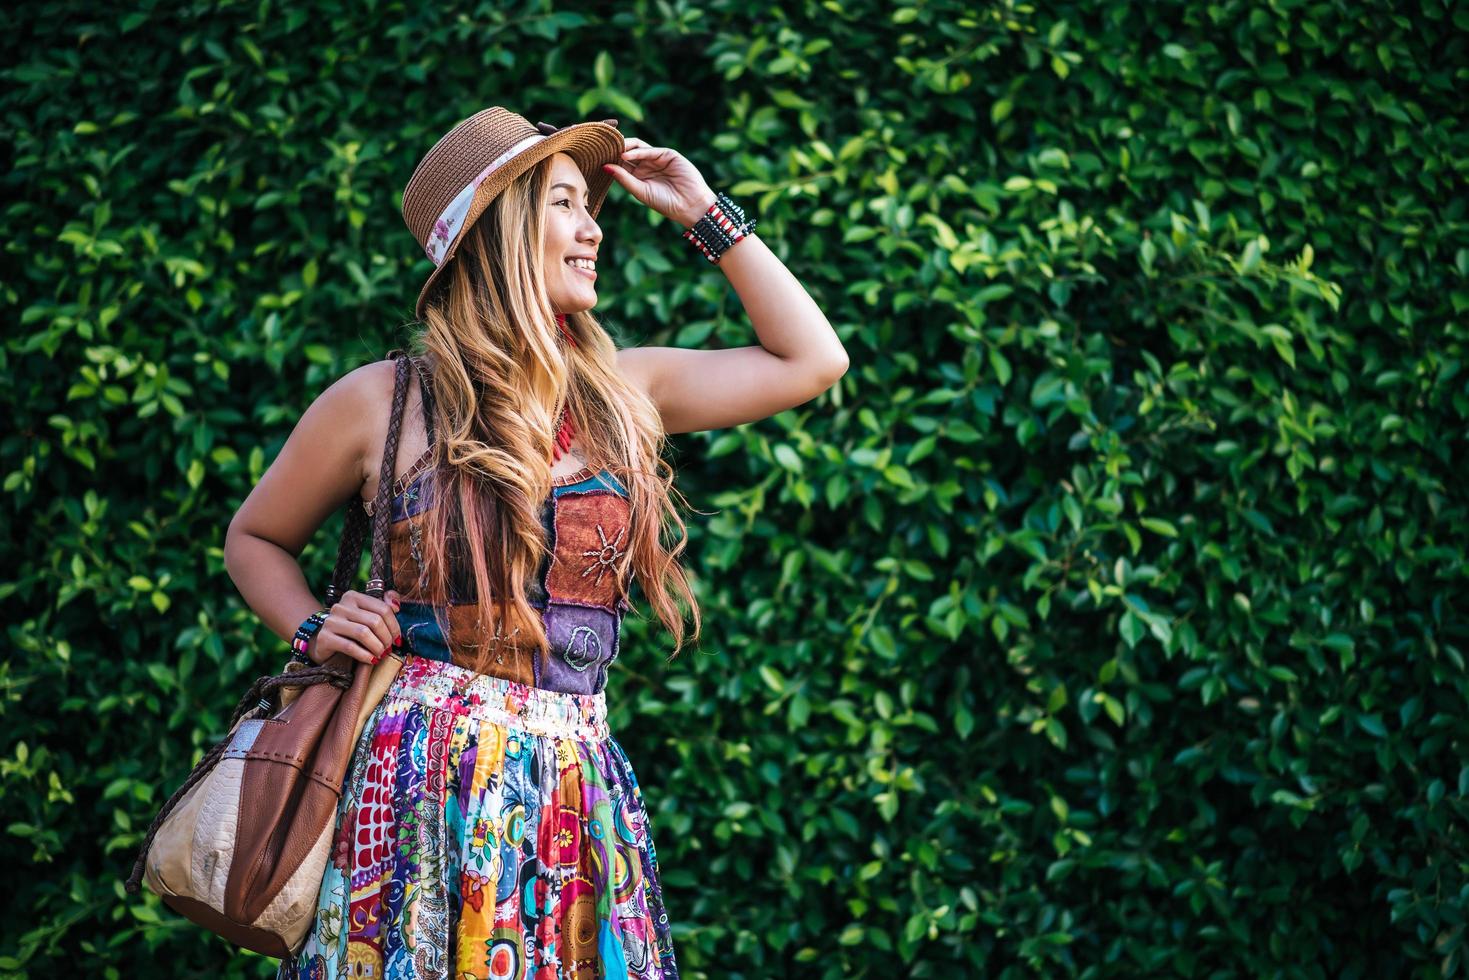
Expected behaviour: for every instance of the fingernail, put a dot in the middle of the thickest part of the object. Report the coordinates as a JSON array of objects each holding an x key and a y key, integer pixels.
[
  {"x": 397, "y": 641},
  {"x": 607, "y": 168}
]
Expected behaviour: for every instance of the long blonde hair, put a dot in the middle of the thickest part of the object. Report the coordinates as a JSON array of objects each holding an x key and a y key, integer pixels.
[{"x": 500, "y": 374}]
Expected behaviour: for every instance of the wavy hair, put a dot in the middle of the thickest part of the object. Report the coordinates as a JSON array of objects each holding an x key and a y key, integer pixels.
[{"x": 500, "y": 374}]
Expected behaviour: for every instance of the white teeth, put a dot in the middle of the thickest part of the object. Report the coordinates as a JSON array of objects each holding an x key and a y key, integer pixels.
[{"x": 582, "y": 263}]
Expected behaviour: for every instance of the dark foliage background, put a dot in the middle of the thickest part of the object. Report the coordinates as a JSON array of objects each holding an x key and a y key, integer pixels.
[{"x": 1107, "y": 619}]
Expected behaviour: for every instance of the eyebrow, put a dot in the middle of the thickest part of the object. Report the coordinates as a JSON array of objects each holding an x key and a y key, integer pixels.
[{"x": 572, "y": 187}]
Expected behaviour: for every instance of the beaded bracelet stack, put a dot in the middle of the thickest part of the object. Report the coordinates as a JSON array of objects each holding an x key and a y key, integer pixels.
[
  {"x": 301, "y": 642},
  {"x": 719, "y": 227}
]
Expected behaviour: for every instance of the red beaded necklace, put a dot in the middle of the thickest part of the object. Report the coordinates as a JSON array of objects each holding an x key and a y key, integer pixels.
[{"x": 567, "y": 430}]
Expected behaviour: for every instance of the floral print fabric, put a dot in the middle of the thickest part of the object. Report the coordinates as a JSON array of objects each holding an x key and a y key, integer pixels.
[{"x": 488, "y": 829}]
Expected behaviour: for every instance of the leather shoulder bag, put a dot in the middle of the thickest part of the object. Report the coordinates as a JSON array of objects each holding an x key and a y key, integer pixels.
[{"x": 240, "y": 848}]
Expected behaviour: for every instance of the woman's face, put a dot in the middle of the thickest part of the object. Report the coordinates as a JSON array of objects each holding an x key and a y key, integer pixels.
[{"x": 571, "y": 232}]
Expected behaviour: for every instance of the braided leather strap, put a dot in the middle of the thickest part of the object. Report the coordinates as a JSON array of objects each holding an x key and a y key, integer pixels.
[{"x": 357, "y": 525}]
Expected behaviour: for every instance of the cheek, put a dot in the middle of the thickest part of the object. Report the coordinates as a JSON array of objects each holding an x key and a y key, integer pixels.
[{"x": 558, "y": 243}]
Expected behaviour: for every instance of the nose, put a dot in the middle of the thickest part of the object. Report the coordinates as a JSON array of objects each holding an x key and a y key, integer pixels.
[{"x": 589, "y": 231}]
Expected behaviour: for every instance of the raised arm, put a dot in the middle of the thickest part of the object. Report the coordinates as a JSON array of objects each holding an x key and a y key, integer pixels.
[{"x": 798, "y": 357}]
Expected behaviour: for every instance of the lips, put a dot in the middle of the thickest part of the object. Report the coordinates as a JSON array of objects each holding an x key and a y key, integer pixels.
[{"x": 589, "y": 273}]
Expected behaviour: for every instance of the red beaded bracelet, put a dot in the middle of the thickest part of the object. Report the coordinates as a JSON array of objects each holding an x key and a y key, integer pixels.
[{"x": 720, "y": 227}]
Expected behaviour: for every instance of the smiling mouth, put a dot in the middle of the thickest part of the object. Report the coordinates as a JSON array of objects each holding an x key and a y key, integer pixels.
[{"x": 590, "y": 273}]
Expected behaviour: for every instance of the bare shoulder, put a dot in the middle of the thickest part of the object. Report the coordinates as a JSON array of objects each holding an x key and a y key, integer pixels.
[
  {"x": 372, "y": 386},
  {"x": 360, "y": 401},
  {"x": 320, "y": 466}
]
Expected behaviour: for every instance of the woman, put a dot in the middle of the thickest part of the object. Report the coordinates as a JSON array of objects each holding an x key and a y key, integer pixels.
[{"x": 490, "y": 825}]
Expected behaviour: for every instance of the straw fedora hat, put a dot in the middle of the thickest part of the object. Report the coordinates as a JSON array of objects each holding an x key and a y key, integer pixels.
[{"x": 477, "y": 159}]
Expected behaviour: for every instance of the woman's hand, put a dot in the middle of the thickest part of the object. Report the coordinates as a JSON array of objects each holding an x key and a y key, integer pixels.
[
  {"x": 663, "y": 180},
  {"x": 360, "y": 626}
]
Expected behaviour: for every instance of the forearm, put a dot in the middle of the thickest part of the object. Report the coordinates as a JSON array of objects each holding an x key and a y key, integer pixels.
[
  {"x": 271, "y": 582},
  {"x": 785, "y": 317}
]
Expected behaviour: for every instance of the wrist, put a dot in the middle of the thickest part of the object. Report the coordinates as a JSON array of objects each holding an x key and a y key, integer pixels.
[
  {"x": 691, "y": 217},
  {"x": 303, "y": 644},
  {"x": 720, "y": 227}
]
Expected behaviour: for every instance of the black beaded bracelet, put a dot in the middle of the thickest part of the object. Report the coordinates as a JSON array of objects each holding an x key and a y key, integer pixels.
[
  {"x": 301, "y": 642},
  {"x": 722, "y": 225}
]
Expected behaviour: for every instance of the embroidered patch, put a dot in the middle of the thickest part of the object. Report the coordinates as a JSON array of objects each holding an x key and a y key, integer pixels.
[
  {"x": 583, "y": 642},
  {"x": 575, "y": 589},
  {"x": 601, "y": 481},
  {"x": 509, "y": 658},
  {"x": 590, "y": 545},
  {"x": 408, "y": 575},
  {"x": 417, "y": 497}
]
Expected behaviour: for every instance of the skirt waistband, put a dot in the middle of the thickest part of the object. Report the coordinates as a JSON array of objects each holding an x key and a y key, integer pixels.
[{"x": 537, "y": 710}]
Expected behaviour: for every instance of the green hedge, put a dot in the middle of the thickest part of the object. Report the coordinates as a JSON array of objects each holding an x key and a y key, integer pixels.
[{"x": 1107, "y": 619}]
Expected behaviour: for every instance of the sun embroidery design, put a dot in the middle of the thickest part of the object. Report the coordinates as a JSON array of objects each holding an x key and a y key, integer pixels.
[
  {"x": 592, "y": 535},
  {"x": 600, "y": 561},
  {"x": 497, "y": 641}
]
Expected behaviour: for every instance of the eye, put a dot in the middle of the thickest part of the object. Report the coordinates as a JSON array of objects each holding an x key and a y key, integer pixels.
[{"x": 564, "y": 200}]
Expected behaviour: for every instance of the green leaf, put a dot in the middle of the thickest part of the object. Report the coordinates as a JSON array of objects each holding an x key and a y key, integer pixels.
[
  {"x": 1371, "y": 724},
  {"x": 786, "y": 457},
  {"x": 1159, "y": 526},
  {"x": 1057, "y": 699}
]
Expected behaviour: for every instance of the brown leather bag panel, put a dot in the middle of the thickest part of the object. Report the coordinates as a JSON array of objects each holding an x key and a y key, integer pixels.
[
  {"x": 259, "y": 940},
  {"x": 289, "y": 793}
]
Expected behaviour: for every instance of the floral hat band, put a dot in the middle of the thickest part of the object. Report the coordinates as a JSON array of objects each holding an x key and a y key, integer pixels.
[{"x": 448, "y": 223}]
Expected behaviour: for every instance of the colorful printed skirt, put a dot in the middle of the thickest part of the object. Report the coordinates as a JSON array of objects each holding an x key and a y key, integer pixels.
[{"x": 488, "y": 829}]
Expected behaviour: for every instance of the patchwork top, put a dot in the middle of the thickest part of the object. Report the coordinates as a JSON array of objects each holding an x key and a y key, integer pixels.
[{"x": 575, "y": 590}]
